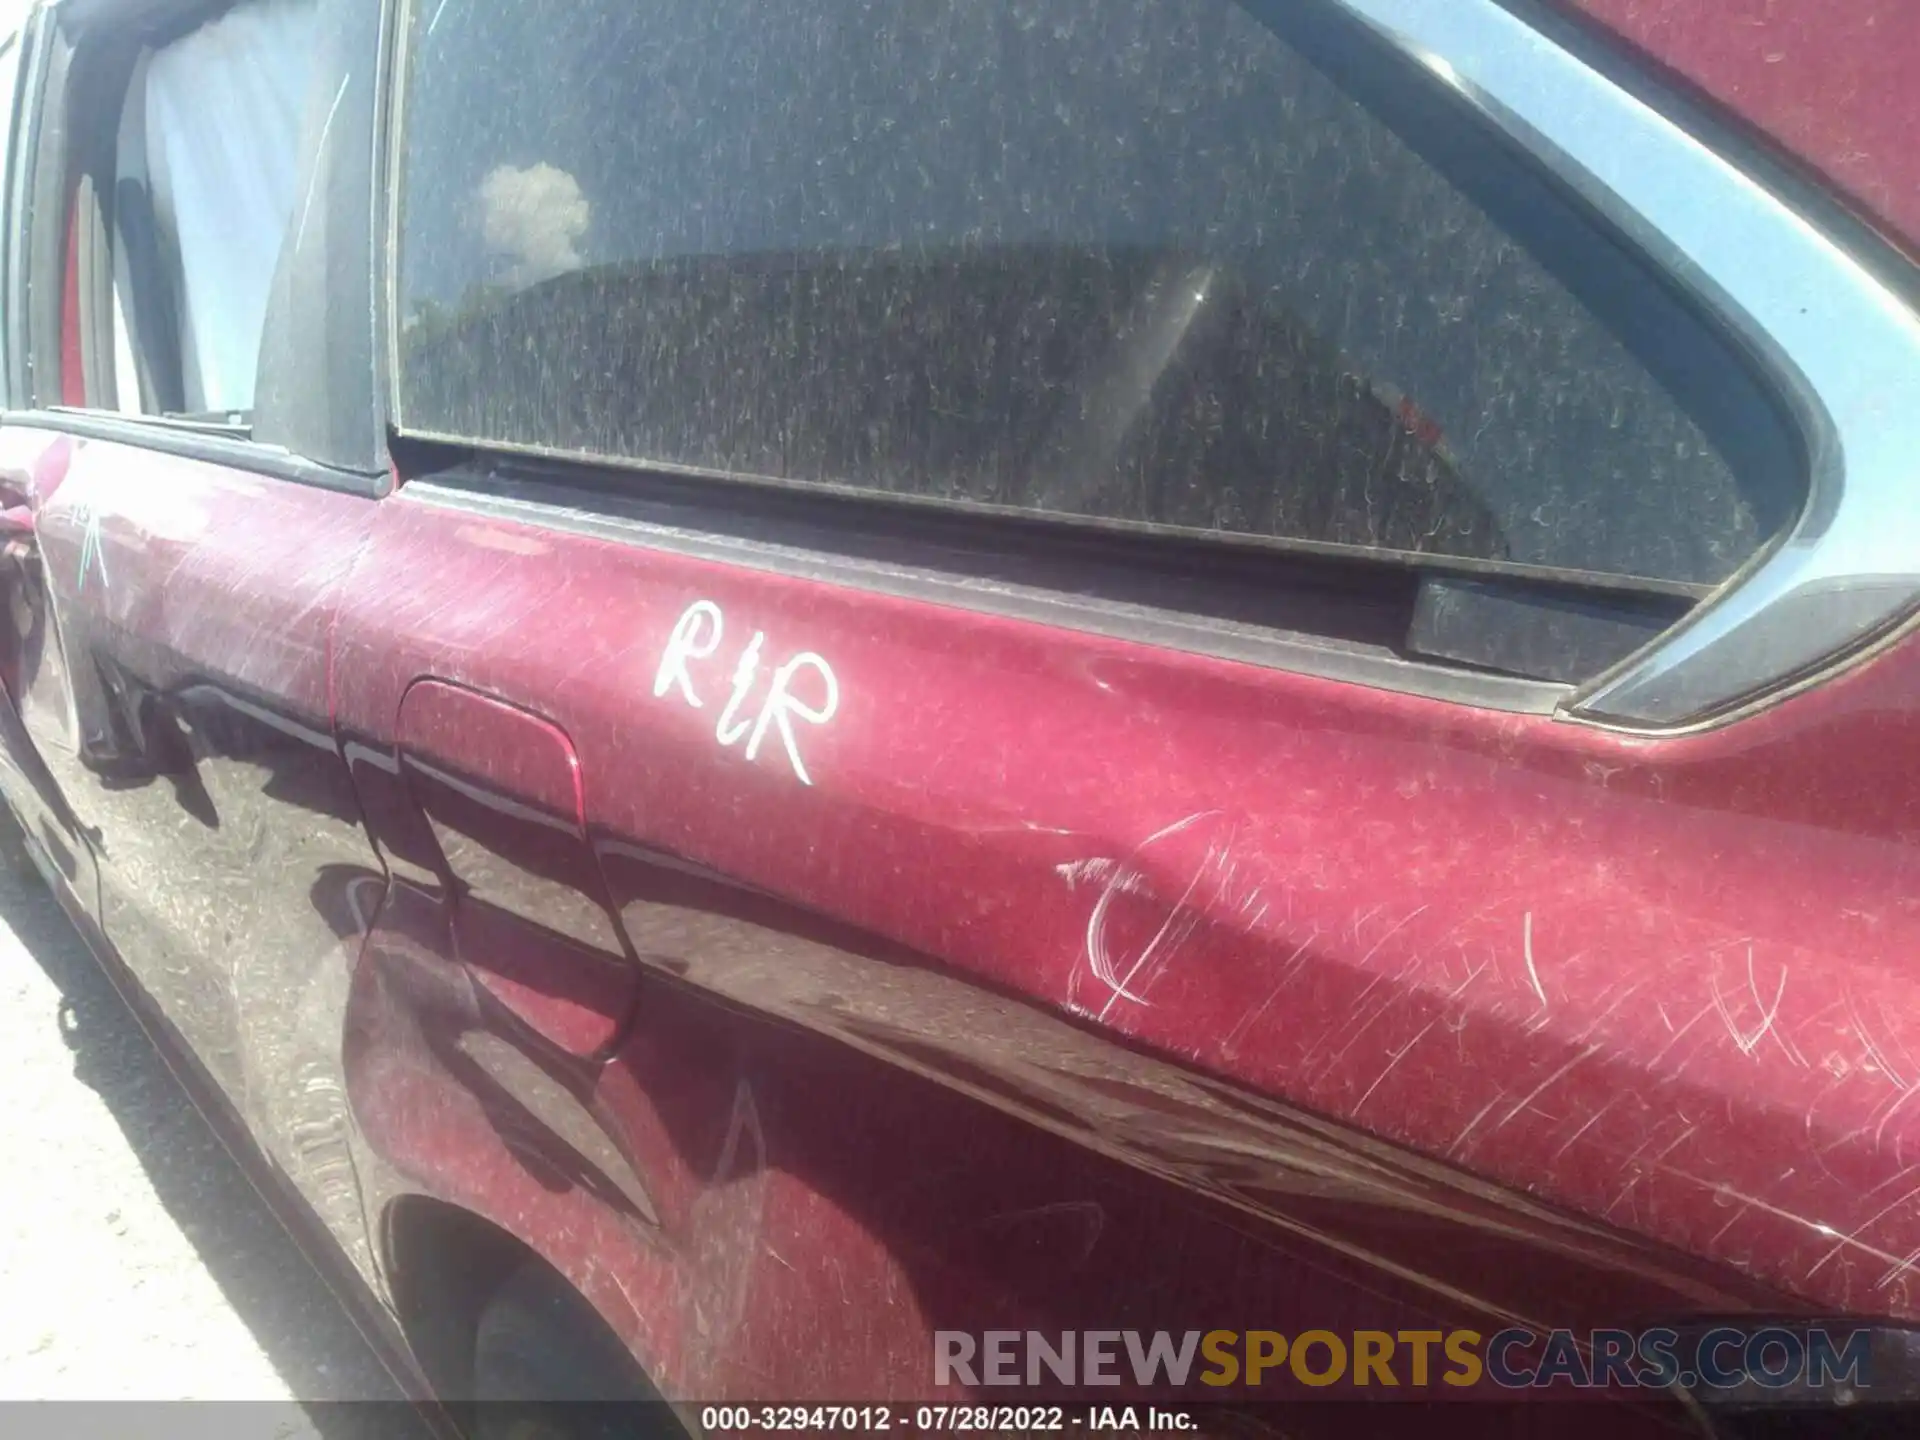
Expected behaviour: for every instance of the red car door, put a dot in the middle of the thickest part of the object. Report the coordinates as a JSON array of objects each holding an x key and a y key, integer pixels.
[
  {"x": 1009, "y": 639},
  {"x": 187, "y": 527},
  {"x": 31, "y": 667}
]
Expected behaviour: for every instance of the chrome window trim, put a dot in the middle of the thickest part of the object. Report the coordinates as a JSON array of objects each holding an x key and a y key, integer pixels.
[{"x": 1842, "y": 345}]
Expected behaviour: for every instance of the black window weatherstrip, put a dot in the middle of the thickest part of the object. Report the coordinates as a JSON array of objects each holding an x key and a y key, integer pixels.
[{"x": 214, "y": 444}]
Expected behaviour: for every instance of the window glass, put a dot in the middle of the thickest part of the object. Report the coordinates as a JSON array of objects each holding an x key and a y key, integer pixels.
[
  {"x": 205, "y": 168},
  {"x": 1177, "y": 263}
]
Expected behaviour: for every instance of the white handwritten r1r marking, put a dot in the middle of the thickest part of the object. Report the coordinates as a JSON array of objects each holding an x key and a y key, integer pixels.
[
  {"x": 684, "y": 645},
  {"x": 696, "y": 636},
  {"x": 781, "y": 703},
  {"x": 726, "y": 732}
]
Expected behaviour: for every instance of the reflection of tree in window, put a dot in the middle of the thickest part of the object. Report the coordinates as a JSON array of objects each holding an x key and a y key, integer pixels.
[
  {"x": 531, "y": 220},
  {"x": 536, "y": 218}
]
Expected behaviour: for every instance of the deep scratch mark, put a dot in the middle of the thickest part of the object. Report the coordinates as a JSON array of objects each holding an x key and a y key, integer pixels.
[
  {"x": 1867, "y": 1043},
  {"x": 1546, "y": 1084},
  {"x": 1461, "y": 1139},
  {"x": 1852, "y": 1237},
  {"x": 1397, "y": 1057},
  {"x": 1591, "y": 1121},
  {"x": 1287, "y": 970},
  {"x": 1526, "y": 946},
  {"x": 1747, "y": 1043}
]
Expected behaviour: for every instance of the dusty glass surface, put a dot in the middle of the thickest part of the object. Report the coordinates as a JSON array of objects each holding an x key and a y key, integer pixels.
[{"x": 1159, "y": 263}]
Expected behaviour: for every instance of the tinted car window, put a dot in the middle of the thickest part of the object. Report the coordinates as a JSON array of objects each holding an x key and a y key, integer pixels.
[
  {"x": 206, "y": 171},
  {"x": 1161, "y": 262}
]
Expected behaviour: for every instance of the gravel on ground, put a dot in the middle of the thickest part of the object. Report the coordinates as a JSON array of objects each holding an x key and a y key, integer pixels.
[{"x": 137, "y": 1262}]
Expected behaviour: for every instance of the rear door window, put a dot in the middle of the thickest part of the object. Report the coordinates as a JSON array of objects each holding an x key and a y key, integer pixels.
[
  {"x": 1173, "y": 265},
  {"x": 205, "y": 166},
  {"x": 213, "y": 170}
]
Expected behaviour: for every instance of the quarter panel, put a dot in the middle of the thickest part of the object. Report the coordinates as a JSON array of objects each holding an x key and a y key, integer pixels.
[
  {"x": 1510, "y": 1012},
  {"x": 1832, "y": 84}
]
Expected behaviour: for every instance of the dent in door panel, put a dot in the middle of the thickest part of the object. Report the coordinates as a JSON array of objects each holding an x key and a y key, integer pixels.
[
  {"x": 194, "y": 603},
  {"x": 33, "y": 666},
  {"x": 773, "y": 1212},
  {"x": 463, "y": 1101}
]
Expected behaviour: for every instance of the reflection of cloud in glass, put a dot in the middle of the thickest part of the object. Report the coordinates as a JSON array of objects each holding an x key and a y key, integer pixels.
[{"x": 536, "y": 216}]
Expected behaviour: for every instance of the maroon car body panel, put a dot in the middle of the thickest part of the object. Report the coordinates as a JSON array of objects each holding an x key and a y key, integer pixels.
[
  {"x": 182, "y": 708},
  {"x": 1654, "y": 983},
  {"x": 801, "y": 968},
  {"x": 1359, "y": 953},
  {"x": 1832, "y": 84}
]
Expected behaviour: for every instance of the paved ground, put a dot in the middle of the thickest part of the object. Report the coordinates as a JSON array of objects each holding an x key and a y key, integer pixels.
[{"x": 136, "y": 1261}]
